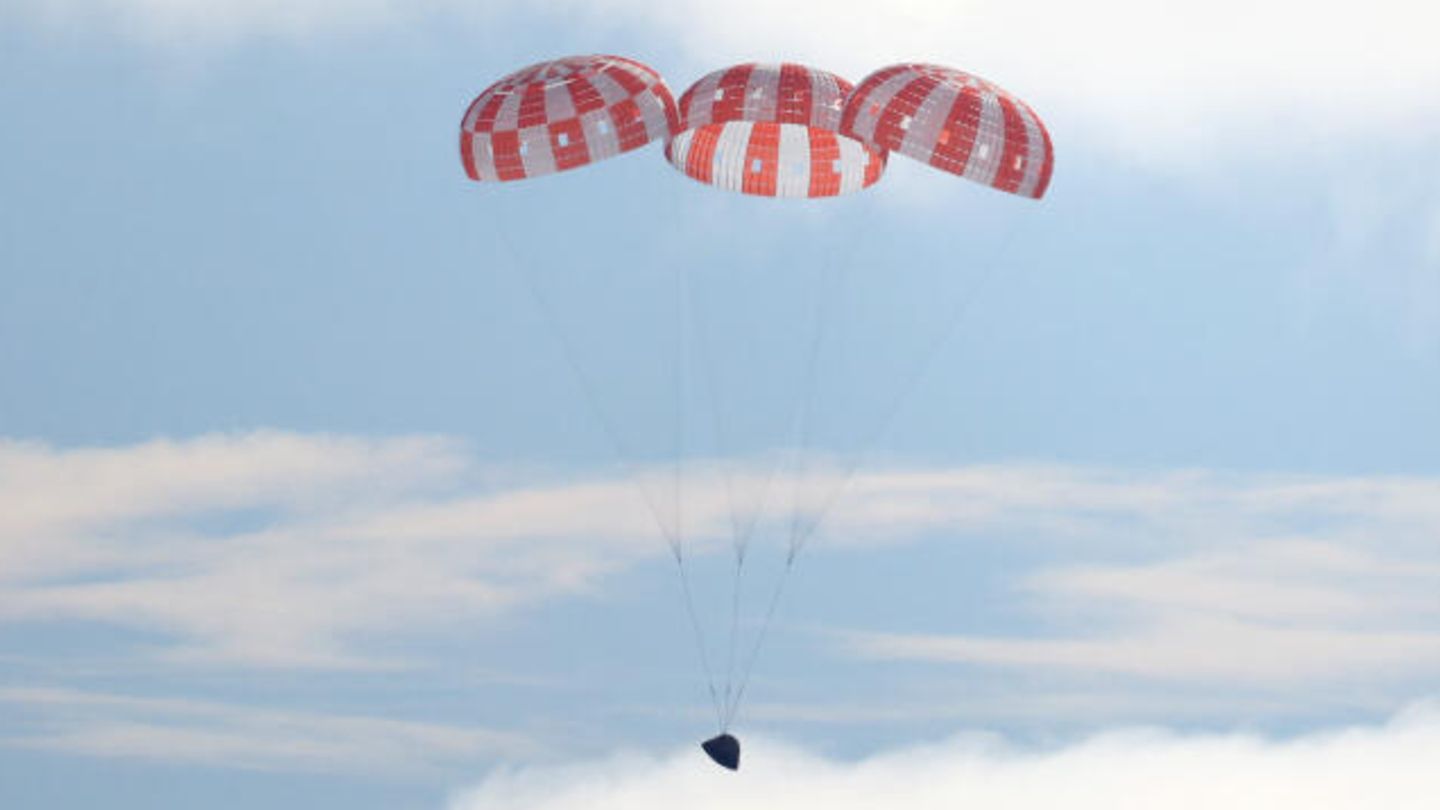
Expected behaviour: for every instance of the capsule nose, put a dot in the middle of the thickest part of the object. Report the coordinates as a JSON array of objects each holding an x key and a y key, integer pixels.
[{"x": 725, "y": 750}]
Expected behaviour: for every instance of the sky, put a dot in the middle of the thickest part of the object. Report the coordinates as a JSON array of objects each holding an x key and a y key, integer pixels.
[{"x": 330, "y": 478}]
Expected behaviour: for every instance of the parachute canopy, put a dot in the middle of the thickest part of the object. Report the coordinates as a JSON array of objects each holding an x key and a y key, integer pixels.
[
  {"x": 771, "y": 130},
  {"x": 953, "y": 121},
  {"x": 561, "y": 114}
]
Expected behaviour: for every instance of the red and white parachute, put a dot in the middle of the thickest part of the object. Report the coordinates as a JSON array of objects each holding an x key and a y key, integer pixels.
[
  {"x": 773, "y": 131},
  {"x": 557, "y": 115},
  {"x": 955, "y": 122}
]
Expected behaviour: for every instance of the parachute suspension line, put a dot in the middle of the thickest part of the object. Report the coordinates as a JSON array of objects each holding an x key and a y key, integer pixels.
[
  {"x": 734, "y": 634},
  {"x": 741, "y": 529},
  {"x": 700, "y": 641},
  {"x": 526, "y": 271},
  {"x": 801, "y": 536},
  {"x": 681, "y": 355},
  {"x": 718, "y": 424},
  {"x": 799, "y": 540},
  {"x": 830, "y": 284},
  {"x": 917, "y": 373},
  {"x": 834, "y": 268},
  {"x": 734, "y": 705},
  {"x": 671, "y": 536},
  {"x": 743, "y": 518},
  {"x": 681, "y": 343},
  {"x": 678, "y": 439}
]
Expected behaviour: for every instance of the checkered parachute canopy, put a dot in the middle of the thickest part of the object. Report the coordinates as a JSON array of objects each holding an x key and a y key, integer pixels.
[
  {"x": 771, "y": 130},
  {"x": 562, "y": 114},
  {"x": 953, "y": 121}
]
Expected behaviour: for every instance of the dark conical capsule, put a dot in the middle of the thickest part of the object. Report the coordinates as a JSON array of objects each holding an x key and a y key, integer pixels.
[{"x": 725, "y": 750}]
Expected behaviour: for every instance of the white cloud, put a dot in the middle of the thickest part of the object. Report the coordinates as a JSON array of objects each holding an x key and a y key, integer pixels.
[
  {"x": 1274, "y": 614},
  {"x": 333, "y": 536},
  {"x": 1390, "y": 766},
  {"x": 293, "y": 551},
  {"x": 1279, "y": 581},
  {"x": 48, "y": 496},
  {"x": 1158, "y": 509},
  {"x": 1204, "y": 649},
  {"x": 237, "y": 736},
  {"x": 970, "y": 703},
  {"x": 1169, "y": 83}
]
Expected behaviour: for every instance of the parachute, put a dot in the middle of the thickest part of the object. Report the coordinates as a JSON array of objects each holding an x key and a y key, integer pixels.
[
  {"x": 800, "y": 136},
  {"x": 953, "y": 121},
  {"x": 772, "y": 131},
  {"x": 563, "y": 114}
]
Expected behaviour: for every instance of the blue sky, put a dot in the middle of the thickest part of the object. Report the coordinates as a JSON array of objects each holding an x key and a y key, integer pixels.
[{"x": 315, "y": 493}]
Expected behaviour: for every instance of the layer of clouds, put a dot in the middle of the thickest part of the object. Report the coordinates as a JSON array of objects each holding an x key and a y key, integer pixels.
[
  {"x": 1389, "y": 766},
  {"x": 287, "y": 550},
  {"x": 237, "y": 736},
  {"x": 269, "y": 549},
  {"x": 49, "y": 496},
  {"x": 1162, "y": 510},
  {"x": 1168, "y": 83},
  {"x": 1257, "y": 582},
  {"x": 1154, "y": 594},
  {"x": 1172, "y": 84}
]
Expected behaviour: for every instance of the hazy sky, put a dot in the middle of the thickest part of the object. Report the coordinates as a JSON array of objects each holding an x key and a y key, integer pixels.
[{"x": 329, "y": 478}]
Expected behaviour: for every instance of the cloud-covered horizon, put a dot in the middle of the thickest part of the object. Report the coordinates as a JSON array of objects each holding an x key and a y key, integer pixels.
[{"x": 1390, "y": 765}]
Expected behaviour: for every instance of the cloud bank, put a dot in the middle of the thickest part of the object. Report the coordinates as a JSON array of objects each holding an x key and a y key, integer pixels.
[
  {"x": 269, "y": 549},
  {"x": 288, "y": 550},
  {"x": 1389, "y": 766}
]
